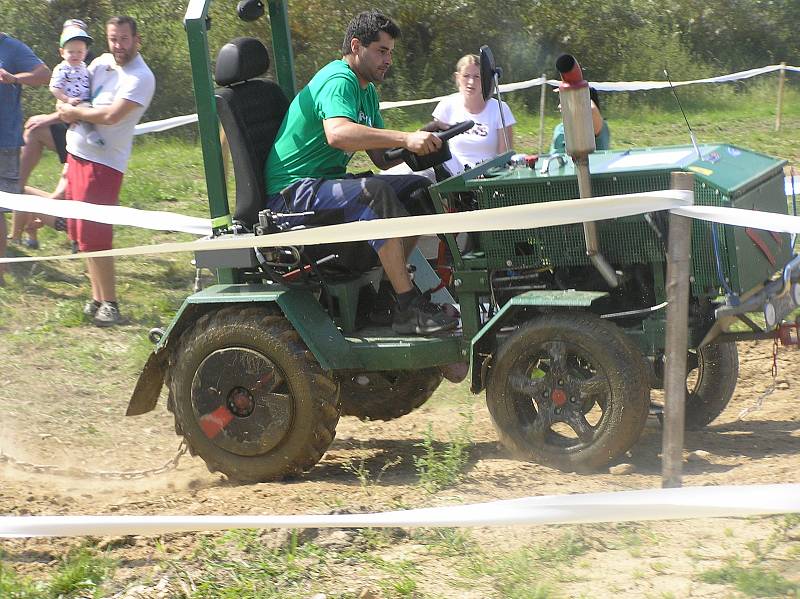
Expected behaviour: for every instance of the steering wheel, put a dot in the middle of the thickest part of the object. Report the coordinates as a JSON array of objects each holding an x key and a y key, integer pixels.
[{"x": 456, "y": 129}]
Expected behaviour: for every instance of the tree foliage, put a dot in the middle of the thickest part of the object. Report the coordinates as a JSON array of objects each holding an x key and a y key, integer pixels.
[{"x": 620, "y": 40}]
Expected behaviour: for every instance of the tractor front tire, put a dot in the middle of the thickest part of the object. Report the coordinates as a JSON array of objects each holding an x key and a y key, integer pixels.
[
  {"x": 568, "y": 390},
  {"x": 249, "y": 397},
  {"x": 387, "y": 395}
]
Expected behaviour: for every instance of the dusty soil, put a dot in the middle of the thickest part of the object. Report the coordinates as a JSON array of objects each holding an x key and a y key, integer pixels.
[{"x": 54, "y": 416}]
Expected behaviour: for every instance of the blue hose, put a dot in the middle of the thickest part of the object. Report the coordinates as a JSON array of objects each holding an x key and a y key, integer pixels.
[{"x": 733, "y": 299}]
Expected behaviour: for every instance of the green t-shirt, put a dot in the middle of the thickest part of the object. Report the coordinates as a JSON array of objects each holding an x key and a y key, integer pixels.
[{"x": 301, "y": 149}]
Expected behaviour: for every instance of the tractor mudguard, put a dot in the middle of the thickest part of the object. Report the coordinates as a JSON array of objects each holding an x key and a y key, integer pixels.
[
  {"x": 482, "y": 342},
  {"x": 148, "y": 386},
  {"x": 299, "y": 307}
]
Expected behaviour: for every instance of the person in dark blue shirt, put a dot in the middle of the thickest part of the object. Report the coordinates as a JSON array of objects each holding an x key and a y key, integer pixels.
[{"x": 18, "y": 66}]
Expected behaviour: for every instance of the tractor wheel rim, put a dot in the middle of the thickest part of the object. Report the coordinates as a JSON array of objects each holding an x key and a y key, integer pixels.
[
  {"x": 241, "y": 401},
  {"x": 562, "y": 396}
]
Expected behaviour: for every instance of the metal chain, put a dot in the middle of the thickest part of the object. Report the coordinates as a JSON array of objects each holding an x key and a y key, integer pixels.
[
  {"x": 770, "y": 390},
  {"x": 73, "y": 472}
]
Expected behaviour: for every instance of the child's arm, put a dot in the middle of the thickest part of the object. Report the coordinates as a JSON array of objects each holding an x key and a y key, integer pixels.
[{"x": 59, "y": 95}]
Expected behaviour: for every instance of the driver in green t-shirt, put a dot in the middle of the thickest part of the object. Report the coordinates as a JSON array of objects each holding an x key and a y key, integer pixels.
[{"x": 338, "y": 114}]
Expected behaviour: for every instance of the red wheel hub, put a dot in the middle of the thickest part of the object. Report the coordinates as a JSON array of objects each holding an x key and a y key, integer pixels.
[{"x": 558, "y": 397}]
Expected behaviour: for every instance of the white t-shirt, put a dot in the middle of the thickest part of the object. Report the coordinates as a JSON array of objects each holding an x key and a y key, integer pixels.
[
  {"x": 133, "y": 81},
  {"x": 72, "y": 80},
  {"x": 480, "y": 142}
]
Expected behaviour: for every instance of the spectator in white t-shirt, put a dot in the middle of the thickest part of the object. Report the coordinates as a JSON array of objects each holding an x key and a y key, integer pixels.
[
  {"x": 122, "y": 88},
  {"x": 485, "y": 139}
]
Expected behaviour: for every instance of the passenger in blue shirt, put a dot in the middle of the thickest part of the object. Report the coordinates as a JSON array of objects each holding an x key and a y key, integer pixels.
[
  {"x": 18, "y": 66},
  {"x": 602, "y": 135}
]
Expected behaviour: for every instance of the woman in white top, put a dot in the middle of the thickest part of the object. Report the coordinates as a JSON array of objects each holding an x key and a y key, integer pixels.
[{"x": 485, "y": 139}]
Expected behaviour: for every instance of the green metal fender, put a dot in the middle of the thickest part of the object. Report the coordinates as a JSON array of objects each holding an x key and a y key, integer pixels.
[
  {"x": 483, "y": 344},
  {"x": 300, "y": 308}
]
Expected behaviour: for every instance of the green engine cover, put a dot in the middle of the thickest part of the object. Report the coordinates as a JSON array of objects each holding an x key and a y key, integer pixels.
[{"x": 726, "y": 176}]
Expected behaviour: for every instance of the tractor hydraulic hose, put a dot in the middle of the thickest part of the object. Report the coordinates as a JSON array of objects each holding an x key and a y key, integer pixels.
[{"x": 733, "y": 299}]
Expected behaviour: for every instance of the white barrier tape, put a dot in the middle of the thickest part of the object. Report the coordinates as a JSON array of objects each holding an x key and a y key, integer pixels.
[
  {"x": 612, "y": 86},
  {"x": 163, "y": 125},
  {"x": 756, "y": 219},
  {"x": 606, "y": 86},
  {"x": 492, "y": 219},
  {"x": 624, "y": 506},
  {"x": 505, "y": 87},
  {"x": 112, "y": 215}
]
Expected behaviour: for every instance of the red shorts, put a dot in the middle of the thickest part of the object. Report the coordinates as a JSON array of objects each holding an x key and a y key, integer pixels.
[{"x": 93, "y": 183}]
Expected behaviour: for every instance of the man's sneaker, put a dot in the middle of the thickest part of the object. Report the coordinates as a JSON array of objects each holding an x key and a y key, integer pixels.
[
  {"x": 422, "y": 317},
  {"x": 107, "y": 315},
  {"x": 90, "y": 308}
]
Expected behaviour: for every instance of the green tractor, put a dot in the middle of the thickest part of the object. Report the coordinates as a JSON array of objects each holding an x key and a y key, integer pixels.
[{"x": 260, "y": 366}]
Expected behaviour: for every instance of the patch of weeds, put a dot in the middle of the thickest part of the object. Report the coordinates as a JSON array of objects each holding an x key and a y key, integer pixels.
[
  {"x": 405, "y": 586},
  {"x": 779, "y": 535},
  {"x": 570, "y": 545},
  {"x": 361, "y": 471},
  {"x": 237, "y": 565},
  {"x": 16, "y": 587},
  {"x": 754, "y": 581},
  {"x": 376, "y": 538},
  {"x": 441, "y": 468},
  {"x": 514, "y": 575},
  {"x": 81, "y": 574},
  {"x": 64, "y": 314},
  {"x": 449, "y": 542}
]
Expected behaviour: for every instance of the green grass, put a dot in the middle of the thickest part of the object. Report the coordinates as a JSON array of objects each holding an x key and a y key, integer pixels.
[
  {"x": 442, "y": 467},
  {"x": 237, "y": 565},
  {"x": 753, "y": 581},
  {"x": 81, "y": 574}
]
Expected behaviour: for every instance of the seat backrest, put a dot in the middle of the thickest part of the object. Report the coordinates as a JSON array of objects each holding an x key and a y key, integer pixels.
[{"x": 251, "y": 112}]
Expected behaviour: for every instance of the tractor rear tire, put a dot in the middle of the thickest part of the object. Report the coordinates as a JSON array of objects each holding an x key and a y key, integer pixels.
[
  {"x": 249, "y": 397},
  {"x": 387, "y": 395},
  {"x": 570, "y": 391},
  {"x": 707, "y": 397}
]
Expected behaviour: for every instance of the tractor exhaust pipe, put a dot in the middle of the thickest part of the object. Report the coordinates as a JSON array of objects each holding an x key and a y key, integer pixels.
[{"x": 579, "y": 137}]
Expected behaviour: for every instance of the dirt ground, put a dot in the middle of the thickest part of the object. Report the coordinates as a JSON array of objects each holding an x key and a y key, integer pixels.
[{"x": 51, "y": 416}]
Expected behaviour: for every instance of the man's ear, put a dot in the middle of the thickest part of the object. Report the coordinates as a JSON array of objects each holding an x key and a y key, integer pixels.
[{"x": 355, "y": 45}]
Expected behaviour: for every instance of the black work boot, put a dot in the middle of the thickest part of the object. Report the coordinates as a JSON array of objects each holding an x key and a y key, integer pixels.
[{"x": 422, "y": 317}]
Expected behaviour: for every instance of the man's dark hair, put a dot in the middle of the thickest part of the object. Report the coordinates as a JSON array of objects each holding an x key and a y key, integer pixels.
[
  {"x": 366, "y": 28},
  {"x": 123, "y": 20}
]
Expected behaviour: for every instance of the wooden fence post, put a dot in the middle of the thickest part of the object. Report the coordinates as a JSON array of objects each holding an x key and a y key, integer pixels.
[
  {"x": 541, "y": 113},
  {"x": 781, "y": 81},
  {"x": 678, "y": 269}
]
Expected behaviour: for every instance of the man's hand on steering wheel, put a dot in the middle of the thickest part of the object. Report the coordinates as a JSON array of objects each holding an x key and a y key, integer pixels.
[{"x": 422, "y": 142}]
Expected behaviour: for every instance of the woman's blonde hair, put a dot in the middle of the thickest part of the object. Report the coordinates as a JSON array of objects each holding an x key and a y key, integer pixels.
[{"x": 465, "y": 61}]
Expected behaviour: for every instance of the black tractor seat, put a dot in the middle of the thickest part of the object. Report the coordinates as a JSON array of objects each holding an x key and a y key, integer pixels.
[{"x": 251, "y": 111}]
